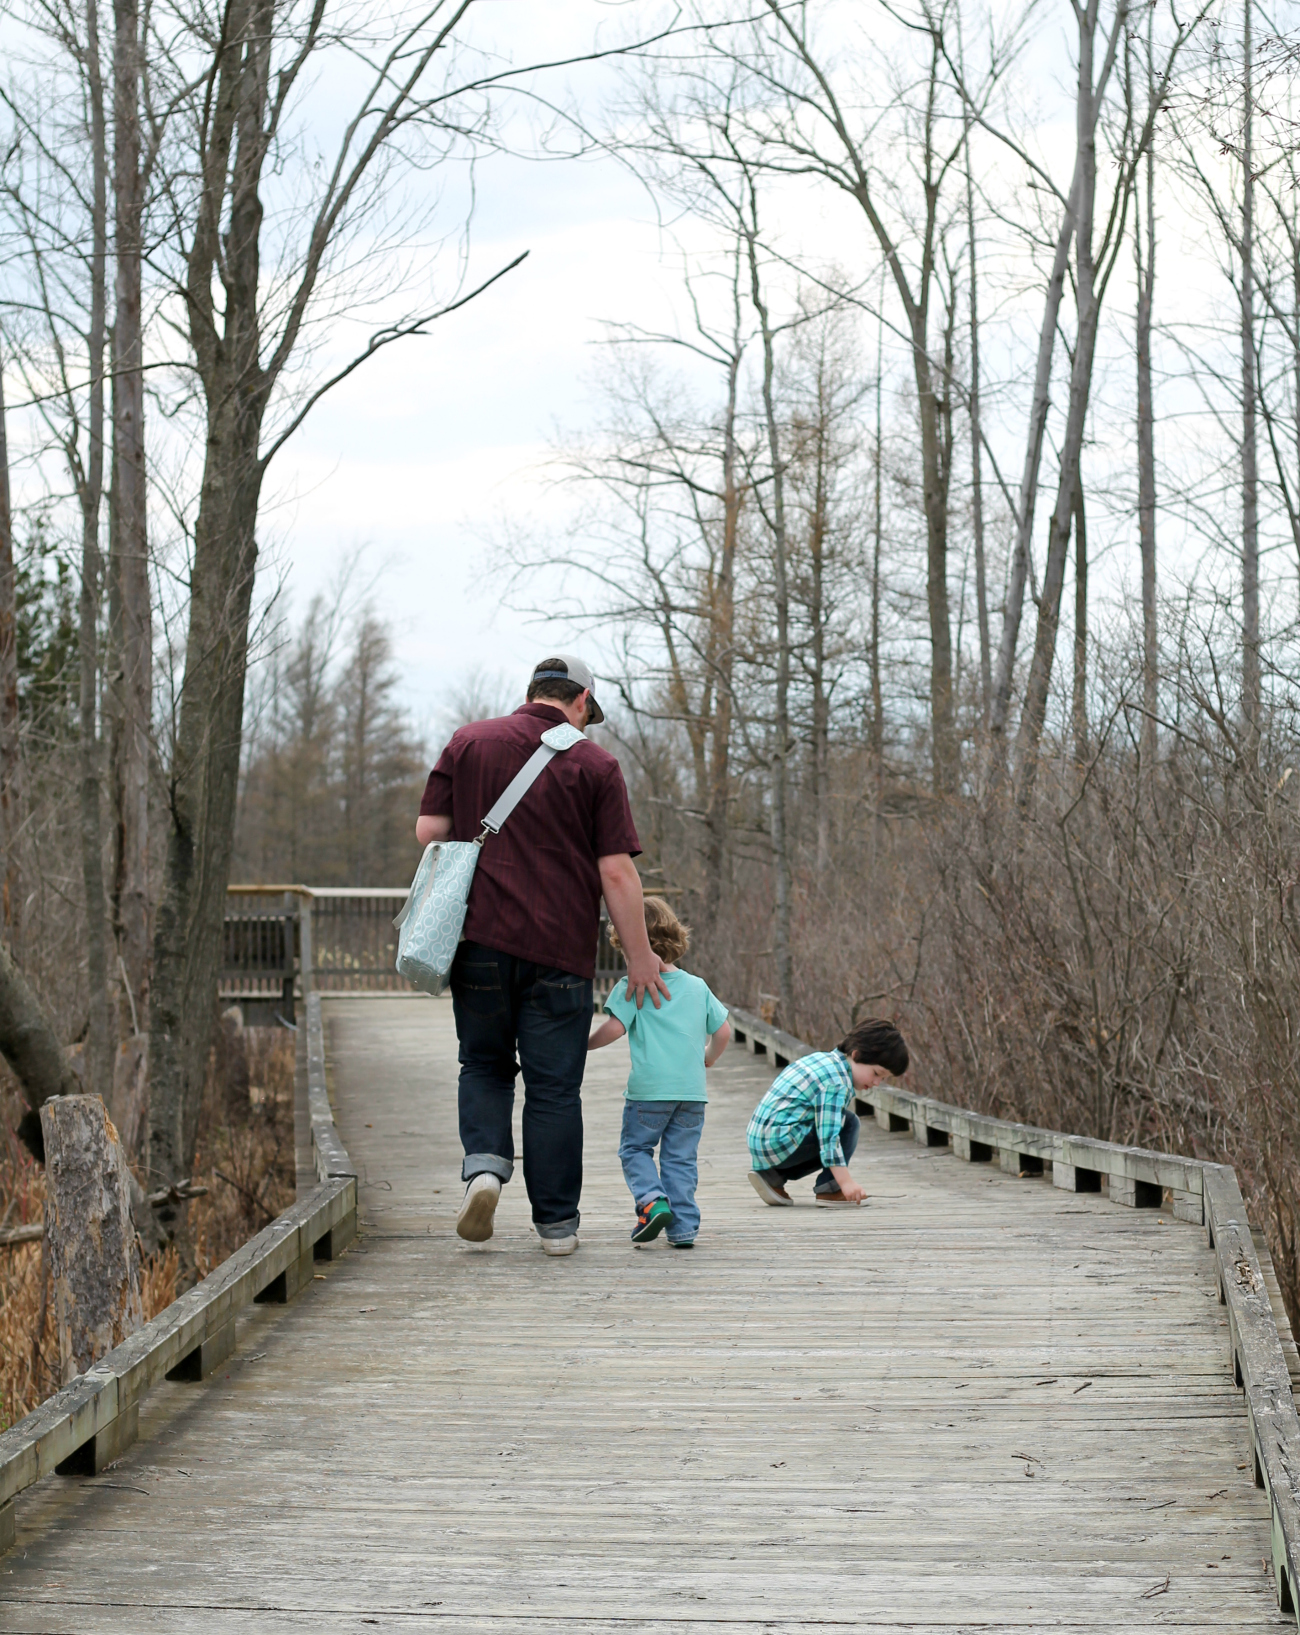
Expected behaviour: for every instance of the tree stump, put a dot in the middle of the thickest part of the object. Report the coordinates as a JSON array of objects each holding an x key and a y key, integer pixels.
[{"x": 90, "y": 1238}]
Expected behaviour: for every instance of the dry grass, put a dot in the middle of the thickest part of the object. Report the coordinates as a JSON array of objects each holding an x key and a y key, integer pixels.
[{"x": 245, "y": 1158}]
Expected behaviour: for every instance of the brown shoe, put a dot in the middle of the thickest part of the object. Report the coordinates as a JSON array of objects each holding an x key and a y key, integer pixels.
[
  {"x": 771, "y": 1192},
  {"x": 833, "y": 1200}
]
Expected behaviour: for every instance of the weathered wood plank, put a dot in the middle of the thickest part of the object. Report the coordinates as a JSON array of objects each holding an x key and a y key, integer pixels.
[{"x": 813, "y": 1420}]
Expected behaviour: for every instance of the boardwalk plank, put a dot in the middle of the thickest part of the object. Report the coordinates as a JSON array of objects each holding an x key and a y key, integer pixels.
[{"x": 977, "y": 1403}]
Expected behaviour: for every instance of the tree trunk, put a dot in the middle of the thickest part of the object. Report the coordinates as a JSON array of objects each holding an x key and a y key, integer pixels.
[
  {"x": 722, "y": 640},
  {"x": 1146, "y": 275},
  {"x": 203, "y": 778},
  {"x": 1005, "y": 673},
  {"x": 10, "y": 743},
  {"x": 133, "y": 622},
  {"x": 976, "y": 453},
  {"x": 1079, "y": 696},
  {"x": 31, "y": 1047},
  {"x": 781, "y": 950},
  {"x": 817, "y": 622},
  {"x": 93, "y": 1252},
  {"x": 1088, "y": 299},
  {"x": 201, "y": 793},
  {"x": 99, "y": 1037},
  {"x": 1250, "y": 660},
  {"x": 877, "y": 730}
]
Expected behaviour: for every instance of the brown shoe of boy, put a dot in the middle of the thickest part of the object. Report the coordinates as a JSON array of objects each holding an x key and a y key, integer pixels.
[
  {"x": 833, "y": 1200},
  {"x": 771, "y": 1192}
]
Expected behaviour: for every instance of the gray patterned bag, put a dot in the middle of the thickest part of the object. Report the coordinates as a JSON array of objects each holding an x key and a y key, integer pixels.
[{"x": 429, "y": 926}]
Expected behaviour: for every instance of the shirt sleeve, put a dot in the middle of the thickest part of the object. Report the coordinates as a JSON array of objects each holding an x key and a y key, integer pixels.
[
  {"x": 715, "y": 1012},
  {"x": 436, "y": 801},
  {"x": 619, "y": 1006},
  {"x": 831, "y": 1094},
  {"x": 613, "y": 830}
]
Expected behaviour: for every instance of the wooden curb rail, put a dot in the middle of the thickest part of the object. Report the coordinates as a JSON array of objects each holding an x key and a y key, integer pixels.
[
  {"x": 94, "y": 1419},
  {"x": 1203, "y": 1193}
]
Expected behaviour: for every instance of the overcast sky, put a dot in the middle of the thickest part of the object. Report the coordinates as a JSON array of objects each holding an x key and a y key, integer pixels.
[{"x": 420, "y": 455}]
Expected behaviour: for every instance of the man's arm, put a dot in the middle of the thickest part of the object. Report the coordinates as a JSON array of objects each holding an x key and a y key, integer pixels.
[
  {"x": 432, "y": 828},
  {"x": 621, "y": 886}
]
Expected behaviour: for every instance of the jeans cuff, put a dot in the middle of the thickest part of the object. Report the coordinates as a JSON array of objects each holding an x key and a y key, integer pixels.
[
  {"x": 486, "y": 1163},
  {"x": 557, "y": 1229},
  {"x": 649, "y": 1197}
]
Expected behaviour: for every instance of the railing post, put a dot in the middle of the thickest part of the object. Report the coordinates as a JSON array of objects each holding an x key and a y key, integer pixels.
[{"x": 305, "y": 963}]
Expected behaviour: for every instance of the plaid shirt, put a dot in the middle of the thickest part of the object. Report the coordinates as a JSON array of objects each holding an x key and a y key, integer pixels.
[{"x": 808, "y": 1094}]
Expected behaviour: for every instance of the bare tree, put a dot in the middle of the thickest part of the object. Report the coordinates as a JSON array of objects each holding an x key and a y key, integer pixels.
[
  {"x": 60, "y": 212},
  {"x": 10, "y": 752},
  {"x": 973, "y": 406},
  {"x": 129, "y": 695},
  {"x": 1144, "y": 256},
  {"x": 803, "y": 128},
  {"x": 1250, "y": 659},
  {"x": 247, "y": 322},
  {"x": 1094, "y": 262}
]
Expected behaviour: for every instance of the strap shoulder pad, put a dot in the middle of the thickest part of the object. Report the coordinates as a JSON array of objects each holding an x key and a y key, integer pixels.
[{"x": 562, "y": 737}]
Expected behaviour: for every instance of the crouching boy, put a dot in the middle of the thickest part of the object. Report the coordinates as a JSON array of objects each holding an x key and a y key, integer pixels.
[{"x": 804, "y": 1122}]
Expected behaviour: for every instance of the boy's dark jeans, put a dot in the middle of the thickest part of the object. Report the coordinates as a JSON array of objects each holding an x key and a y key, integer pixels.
[
  {"x": 503, "y": 1005},
  {"x": 807, "y": 1157}
]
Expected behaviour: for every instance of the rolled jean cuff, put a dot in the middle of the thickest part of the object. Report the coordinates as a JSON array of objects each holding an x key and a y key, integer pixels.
[
  {"x": 486, "y": 1163},
  {"x": 557, "y": 1229}
]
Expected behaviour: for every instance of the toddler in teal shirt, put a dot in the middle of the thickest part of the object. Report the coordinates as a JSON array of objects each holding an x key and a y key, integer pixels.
[{"x": 671, "y": 1047}]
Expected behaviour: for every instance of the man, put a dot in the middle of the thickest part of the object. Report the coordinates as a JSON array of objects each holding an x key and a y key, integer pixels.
[{"x": 522, "y": 978}]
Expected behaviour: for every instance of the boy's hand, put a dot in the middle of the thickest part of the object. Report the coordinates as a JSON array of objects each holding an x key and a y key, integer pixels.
[{"x": 847, "y": 1185}]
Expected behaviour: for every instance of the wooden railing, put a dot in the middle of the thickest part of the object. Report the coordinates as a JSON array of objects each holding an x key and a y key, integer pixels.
[
  {"x": 1206, "y": 1194},
  {"x": 335, "y": 939},
  {"x": 92, "y": 1420}
]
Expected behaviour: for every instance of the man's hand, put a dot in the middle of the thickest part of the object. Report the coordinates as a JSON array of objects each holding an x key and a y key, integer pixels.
[
  {"x": 621, "y": 886},
  {"x": 847, "y": 1185}
]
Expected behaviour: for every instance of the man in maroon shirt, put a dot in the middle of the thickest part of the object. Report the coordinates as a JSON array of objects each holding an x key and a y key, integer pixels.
[{"x": 522, "y": 978}]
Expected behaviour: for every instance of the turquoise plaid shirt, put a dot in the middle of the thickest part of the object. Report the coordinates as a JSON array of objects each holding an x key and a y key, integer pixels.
[{"x": 809, "y": 1093}]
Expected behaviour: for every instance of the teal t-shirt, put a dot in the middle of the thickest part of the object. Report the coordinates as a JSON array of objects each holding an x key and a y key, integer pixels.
[{"x": 668, "y": 1044}]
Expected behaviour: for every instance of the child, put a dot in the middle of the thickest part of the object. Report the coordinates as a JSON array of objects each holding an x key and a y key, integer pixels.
[
  {"x": 803, "y": 1123},
  {"x": 670, "y": 1047}
]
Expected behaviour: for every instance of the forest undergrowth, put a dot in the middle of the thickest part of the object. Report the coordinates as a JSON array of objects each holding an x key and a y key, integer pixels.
[{"x": 245, "y": 1159}]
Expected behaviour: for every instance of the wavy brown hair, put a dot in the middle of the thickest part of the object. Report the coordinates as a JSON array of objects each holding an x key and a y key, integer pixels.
[{"x": 668, "y": 936}]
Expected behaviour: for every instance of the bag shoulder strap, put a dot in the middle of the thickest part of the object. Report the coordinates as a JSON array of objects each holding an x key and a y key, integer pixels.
[{"x": 555, "y": 740}]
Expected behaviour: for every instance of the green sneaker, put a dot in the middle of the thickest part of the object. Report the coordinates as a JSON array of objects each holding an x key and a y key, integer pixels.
[{"x": 651, "y": 1219}]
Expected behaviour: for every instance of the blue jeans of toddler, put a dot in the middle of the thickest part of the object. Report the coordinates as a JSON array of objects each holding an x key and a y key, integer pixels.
[{"x": 675, "y": 1128}]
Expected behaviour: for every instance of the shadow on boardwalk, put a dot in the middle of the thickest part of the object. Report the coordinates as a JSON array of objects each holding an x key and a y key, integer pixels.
[{"x": 975, "y": 1403}]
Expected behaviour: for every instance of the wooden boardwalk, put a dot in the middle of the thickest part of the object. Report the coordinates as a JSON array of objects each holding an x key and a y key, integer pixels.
[{"x": 975, "y": 1404}]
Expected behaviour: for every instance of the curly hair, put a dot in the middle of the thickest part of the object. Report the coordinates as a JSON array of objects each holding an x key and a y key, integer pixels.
[{"x": 668, "y": 936}]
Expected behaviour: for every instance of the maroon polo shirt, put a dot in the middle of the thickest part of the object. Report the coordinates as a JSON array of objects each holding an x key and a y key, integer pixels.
[{"x": 536, "y": 891}]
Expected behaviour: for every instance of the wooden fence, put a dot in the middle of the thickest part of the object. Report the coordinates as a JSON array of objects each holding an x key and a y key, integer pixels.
[{"x": 280, "y": 940}]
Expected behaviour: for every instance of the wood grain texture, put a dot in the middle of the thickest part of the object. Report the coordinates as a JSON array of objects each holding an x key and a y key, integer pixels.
[{"x": 979, "y": 1402}]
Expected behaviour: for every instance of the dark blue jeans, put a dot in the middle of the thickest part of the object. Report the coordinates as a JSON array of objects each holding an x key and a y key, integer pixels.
[
  {"x": 505, "y": 1005},
  {"x": 807, "y": 1156}
]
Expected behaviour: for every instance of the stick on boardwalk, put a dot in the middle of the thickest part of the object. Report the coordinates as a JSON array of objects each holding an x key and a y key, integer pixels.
[{"x": 977, "y": 1403}]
